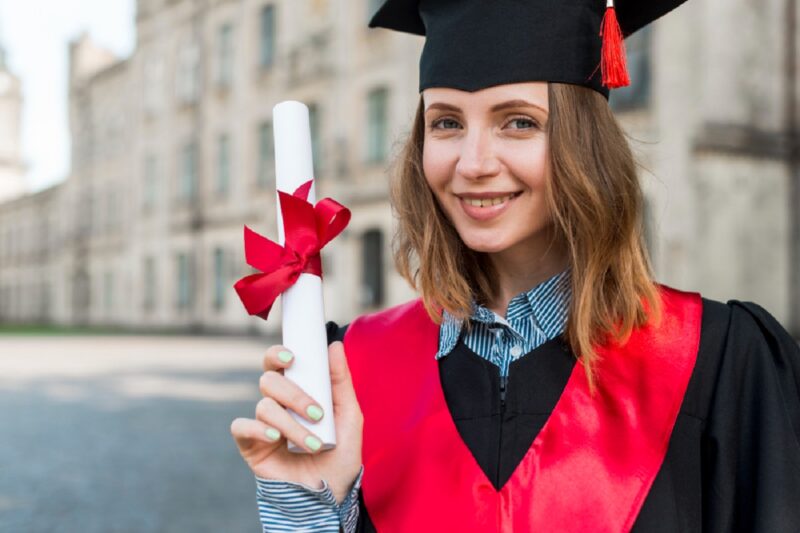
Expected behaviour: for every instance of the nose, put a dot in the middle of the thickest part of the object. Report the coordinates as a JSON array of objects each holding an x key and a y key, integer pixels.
[{"x": 477, "y": 159}]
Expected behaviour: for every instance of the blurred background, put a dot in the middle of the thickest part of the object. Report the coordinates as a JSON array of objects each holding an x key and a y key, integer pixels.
[{"x": 136, "y": 141}]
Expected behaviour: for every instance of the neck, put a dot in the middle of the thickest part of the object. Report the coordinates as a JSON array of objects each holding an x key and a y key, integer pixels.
[{"x": 524, "y": 266}]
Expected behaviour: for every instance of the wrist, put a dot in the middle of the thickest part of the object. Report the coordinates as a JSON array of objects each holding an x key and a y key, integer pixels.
[{"x": 341, "y": 492}]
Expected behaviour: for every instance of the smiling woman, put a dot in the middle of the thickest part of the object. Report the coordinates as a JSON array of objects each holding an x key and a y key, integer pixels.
[
  {"x": 543, "y": 380},
  {"x": 494, "y": 195}
]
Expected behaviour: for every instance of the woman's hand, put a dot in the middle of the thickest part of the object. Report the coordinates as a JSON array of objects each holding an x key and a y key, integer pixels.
[{"x": 265, "y": 451}]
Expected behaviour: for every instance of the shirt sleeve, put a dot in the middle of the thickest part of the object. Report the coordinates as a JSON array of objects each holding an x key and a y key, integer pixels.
[{"x": 287, "y": 506}]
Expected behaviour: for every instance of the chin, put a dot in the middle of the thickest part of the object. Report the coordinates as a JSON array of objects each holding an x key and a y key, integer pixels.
[{"x": 487, "y": 245}]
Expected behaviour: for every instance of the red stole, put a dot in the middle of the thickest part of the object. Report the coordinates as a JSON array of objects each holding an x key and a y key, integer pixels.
[{"x": 590, "y": 467}]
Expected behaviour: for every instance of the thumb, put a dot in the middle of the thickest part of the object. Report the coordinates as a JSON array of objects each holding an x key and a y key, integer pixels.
[{"x": 344, "y": 396}]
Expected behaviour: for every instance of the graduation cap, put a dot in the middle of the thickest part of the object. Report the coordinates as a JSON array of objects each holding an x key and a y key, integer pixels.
[{"x": 474, "y": 44}]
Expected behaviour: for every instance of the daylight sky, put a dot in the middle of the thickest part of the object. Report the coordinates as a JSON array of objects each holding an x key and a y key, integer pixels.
[{"x": 35, "y": 34}]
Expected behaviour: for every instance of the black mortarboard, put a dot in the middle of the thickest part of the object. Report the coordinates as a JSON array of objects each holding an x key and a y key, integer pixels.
[{"x": 474, "y": 44}]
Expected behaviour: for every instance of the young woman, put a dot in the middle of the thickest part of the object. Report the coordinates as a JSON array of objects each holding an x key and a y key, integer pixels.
[{"x": 544, "y": 381}]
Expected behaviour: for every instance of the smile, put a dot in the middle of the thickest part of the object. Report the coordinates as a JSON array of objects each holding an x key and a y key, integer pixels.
[
  {"x": 487, "y": 207},
  {"x": 486, "y": 202}
]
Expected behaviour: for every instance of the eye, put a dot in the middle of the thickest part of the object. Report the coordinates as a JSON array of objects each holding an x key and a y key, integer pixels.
[
  {"x": 522, "y": 123},
  {"x": 444, "y": 123}
]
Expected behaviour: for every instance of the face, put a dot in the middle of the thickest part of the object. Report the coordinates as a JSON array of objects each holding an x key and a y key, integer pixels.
[{"x": 485, "y": 158}]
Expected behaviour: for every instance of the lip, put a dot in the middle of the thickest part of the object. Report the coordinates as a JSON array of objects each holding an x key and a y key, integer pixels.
[
  {"x": 482, "y": 195},
  {"x": 485, "y": 213}
]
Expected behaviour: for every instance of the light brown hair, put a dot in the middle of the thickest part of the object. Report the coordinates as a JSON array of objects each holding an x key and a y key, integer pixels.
[{"x": 595, "y": 202}]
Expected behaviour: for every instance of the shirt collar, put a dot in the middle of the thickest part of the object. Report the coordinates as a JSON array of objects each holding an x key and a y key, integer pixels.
[{"x": 538, "y": 302}]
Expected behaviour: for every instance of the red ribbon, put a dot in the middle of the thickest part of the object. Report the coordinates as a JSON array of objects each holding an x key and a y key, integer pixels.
[{"x": 307, "y": 229}]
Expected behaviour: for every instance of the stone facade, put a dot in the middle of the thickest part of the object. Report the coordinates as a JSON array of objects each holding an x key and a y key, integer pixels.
[{"x": 171, "y": 156}]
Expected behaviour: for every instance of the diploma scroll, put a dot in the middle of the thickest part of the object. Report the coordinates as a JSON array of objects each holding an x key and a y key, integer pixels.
[{"x": 302, "y": 305}]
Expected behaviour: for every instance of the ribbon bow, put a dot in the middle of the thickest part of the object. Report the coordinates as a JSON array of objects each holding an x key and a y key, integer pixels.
[{"x": 307, "y": 229}]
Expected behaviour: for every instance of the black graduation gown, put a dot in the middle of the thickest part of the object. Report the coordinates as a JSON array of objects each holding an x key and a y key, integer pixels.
[{"x": 733, "y": 462}]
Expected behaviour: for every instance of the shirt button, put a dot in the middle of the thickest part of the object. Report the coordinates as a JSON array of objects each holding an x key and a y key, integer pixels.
[{"x": 516, "y": 350}]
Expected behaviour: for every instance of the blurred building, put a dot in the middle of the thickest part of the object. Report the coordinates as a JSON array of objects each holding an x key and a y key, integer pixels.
[
  {"x": 172, "y": 154},
  {"x": 12, "y": 170}
]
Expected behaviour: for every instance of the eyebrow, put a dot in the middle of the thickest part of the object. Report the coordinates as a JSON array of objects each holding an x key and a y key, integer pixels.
[{"x": 495, "y": 108}]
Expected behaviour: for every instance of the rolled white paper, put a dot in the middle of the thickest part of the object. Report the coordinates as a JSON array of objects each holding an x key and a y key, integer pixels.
[{"x": 303, "y": 314}]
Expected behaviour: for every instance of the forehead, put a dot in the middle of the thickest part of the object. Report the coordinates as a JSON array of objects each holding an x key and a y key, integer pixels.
[{"x": 533, "y": 92}]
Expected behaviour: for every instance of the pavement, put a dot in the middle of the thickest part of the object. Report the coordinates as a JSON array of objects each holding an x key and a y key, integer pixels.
[{"x": 113, "y": 434}]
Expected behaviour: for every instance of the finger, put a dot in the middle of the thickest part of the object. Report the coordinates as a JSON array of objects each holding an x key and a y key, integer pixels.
[
  {"x": 277, "y": 358},
  {"x": 344, "y": 396},
  {"x": 289, "y": 394},
  {"x": 273, "y": 414},
  {"x": 246, "y": 432}
]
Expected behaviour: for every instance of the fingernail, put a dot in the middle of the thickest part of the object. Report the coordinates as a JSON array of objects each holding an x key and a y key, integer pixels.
[
  {"x": 273, "y": 434},
  {"x": 285, "y": 356},
  {"x": 314, "y": 412},
  {"x": 313, "y": 442}
]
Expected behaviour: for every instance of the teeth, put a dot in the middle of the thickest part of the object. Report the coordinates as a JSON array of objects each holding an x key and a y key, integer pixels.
[{"x": 486, "y": 202}]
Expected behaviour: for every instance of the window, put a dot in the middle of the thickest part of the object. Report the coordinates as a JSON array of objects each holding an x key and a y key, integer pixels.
[
  {"x": 184, "y": 282},
  {"x": 150, "y": 183},
  {"x": 16, "y": 300},
  {"x": 377, "y": 125},
  {"x": 187, "y": 85},
  {"x": 313, "y": 125},
  {"x": 267, "y": 48},
  {"x": 372, "y": 268},
  {"x": 327, "y": 263},
  {"x": 266, "y": 156},
  {"x": 9, "y": 244},
  {"x": 81, "y": 296},
  {"x": 96, "y": 215},
  {"x": 108, "y": 290},
  {"x": 4, "y": 308},
  {"x": 223, "y": 164},
  {"x": 153, "y": 84},
  {"x": 85, "y": 207},
  {"x": 112, "y": 210},
  {"x": 188, "y": 179},
  {"x": 149, "y": 282},
  {"x": 637, "y": 94},
  {"x": 225, "y": 56},
  {"x": 45, "y": 301},
  {"x": 219, "y": 278}
]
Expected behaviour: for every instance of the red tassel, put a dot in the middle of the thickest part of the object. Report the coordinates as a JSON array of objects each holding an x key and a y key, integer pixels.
[{"x": 612, "y": 61}]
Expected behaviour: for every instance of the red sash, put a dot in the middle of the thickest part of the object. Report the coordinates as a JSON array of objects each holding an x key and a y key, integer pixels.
[{"x": 589, "y": 469}]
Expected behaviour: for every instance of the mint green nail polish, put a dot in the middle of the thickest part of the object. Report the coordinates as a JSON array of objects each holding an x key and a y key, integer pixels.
[
  {"x": 314, "y": 412},
  {"x": 313, "y": 442},
  {"x": 285, "y": 356},
  {"x": 273, "y": 434}
]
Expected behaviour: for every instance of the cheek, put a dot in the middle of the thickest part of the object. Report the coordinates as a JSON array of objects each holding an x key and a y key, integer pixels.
[
  {"x": 530, "y": 165},
  {"x": 436, "y": 166},
  {"x": 429, "y": 167},
  {"x": 438, "y": 174}
]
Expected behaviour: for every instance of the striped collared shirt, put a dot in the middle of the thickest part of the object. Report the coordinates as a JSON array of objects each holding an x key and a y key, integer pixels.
[{"x": 533, "y": 318}]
